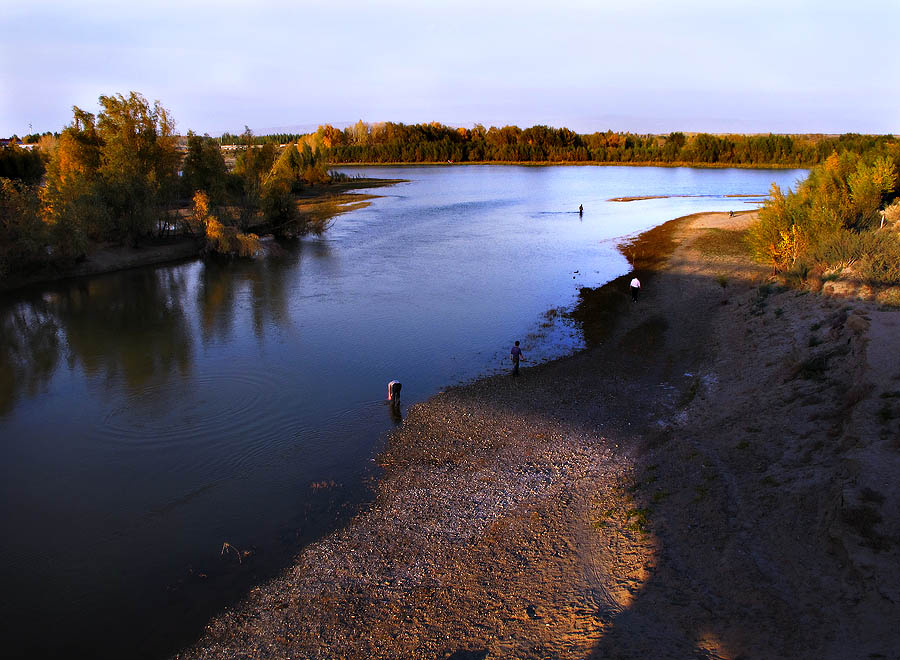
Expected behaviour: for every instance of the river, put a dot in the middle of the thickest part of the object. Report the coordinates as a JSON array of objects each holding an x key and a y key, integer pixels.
[{"x": 152, "y": 416}]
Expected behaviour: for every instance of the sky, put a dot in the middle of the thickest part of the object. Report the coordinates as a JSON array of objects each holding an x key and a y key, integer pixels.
[{"x": 646, "y": 66}]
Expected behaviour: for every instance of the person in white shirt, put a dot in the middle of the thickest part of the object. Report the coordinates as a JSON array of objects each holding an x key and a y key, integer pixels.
[{"x": 635, "y": 289}]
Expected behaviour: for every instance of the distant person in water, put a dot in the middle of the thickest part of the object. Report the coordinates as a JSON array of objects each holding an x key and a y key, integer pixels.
[
  {"x": 515, "y": 354},
  {"x": 394, "y": 388},
  {"x": 580, "y": 209},
  {"x": 635, "y": 289}
]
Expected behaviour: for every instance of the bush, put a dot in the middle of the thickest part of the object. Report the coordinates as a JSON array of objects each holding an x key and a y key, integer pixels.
[
  {"x": 229, "y": 241},
  {"x": 834, "y": 220},
  {"x": 873, "y": 256}
]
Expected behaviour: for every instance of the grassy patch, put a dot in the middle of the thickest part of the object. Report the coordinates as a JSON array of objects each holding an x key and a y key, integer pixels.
[
  {"x": 638, "y": 520},
  {"x": 889, "y": 297},
  {"x": 723, "y": 243},
  {"x": 603, "y": 519}
]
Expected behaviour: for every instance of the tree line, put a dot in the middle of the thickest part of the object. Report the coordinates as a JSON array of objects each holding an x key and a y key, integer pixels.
[
  {"x": 419, "y": 143},
  {"x": 247, "y": 138},
  {"x": 123, "y": 175}
]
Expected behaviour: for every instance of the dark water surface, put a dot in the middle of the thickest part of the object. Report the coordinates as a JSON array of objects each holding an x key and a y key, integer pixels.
[{"x": 148, "y": 417}]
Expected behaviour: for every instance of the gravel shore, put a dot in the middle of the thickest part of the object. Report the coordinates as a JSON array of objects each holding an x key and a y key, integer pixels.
[{"x": 714, "y": 478}]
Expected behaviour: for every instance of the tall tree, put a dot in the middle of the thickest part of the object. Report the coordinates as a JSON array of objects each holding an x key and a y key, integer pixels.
[
  {"x": 138, "y": 161},
  {"x": 204, "y": 169}
]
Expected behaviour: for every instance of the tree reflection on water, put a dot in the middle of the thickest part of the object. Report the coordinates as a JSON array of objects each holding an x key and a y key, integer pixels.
[
  {"x": 129, "y": 328},
  {"x": 29, "y": 350}
]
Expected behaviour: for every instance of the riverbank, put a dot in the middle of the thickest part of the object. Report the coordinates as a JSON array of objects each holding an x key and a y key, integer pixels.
[
  {"x": 716, "y": 477},
  {"x": 317, "y": 203}
]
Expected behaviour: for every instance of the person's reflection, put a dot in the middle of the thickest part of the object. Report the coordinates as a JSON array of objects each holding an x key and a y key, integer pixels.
[{"x": 396, "y": 415}]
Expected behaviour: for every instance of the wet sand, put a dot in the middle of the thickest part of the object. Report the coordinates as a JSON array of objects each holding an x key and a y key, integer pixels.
[{"x": 715, "y": 478}]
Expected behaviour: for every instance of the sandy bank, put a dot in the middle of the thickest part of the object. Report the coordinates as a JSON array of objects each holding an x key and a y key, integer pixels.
[{"x": 716, "y": 478}]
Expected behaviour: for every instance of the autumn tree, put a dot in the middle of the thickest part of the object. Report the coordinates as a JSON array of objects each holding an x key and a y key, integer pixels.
[
  {"x": 111, "y": 176},
  {"x": 869, "y": 185},
  {"x": 139, "y": 161},
  {"x": 774, "y": 238},
  {"x": 71, "y": 198}
]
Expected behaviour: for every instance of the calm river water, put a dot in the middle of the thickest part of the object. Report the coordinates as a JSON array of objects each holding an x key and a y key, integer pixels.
[{"x": 150, "y": 416}]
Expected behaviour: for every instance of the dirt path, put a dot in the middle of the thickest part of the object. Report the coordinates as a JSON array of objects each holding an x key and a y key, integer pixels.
[{"x": 715, "y": 480}]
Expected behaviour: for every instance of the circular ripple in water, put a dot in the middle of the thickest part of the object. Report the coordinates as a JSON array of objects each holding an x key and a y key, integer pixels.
[{"x": 203, "y": 410}]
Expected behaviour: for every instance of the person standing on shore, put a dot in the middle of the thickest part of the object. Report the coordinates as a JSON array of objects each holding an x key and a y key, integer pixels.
[
  {"x": 635, "y": 289},
  {"x": 515, "y": 354}
]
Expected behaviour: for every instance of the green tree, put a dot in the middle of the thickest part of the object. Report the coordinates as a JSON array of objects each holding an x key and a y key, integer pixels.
[
  {"x": 23, "y": 164},
  {"x": 869, "y": 185},
  {"x": 204, "y": 169},
  {"x": 23, "y": 234}
]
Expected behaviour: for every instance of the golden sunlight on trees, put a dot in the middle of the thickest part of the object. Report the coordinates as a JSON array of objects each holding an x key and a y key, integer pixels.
[
  {"x": 220, "y": 239},
  {"x": 111, "y": 176},
  {"x": 840, "y": 218},
  {"x": 868, "y": 185}
]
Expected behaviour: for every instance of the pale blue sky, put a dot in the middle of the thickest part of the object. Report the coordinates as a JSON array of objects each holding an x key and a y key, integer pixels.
[{"x": 636, "y": 65}]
